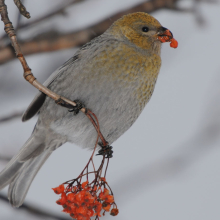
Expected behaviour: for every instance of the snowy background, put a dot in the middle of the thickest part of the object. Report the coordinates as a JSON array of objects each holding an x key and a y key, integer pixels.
[{"x": 167, "y": 166}]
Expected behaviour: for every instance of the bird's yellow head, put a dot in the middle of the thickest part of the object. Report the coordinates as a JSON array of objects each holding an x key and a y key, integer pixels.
[{"x": 143, "y": 30}]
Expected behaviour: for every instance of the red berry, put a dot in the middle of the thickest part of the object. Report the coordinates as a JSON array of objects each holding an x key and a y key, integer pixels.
[
  {"x": 174, "y": 43},
  {"x": 109, "y": 199},
  {"x": 114, "y": 212},
  {"x": 82, "y": 211},
  {"x": 84, "y": 184},
  {"x": 59, "y": 189},
  {"x": 90, "y": 212},
  {"x": 106, "y": 192},
  {"x": 79, "y": 197},
  {"x": 62, "y": 200},
  {"x": 106, "y": 206},
  {"x": 103, "y": 179},
  {"x": 70, "y": 197}
]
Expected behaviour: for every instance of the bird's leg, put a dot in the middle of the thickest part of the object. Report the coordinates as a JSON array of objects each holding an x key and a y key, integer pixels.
[{"x": 106, "y": 150}]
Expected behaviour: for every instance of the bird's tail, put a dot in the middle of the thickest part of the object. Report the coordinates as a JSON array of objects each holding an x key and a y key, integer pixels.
[{"x": 22, "y": 169}]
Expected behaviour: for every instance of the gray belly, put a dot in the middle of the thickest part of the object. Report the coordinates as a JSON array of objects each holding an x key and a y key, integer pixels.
[{"x": 114, "y": 104}]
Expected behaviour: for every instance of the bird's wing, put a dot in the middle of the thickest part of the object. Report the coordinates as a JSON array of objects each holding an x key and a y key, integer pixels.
[{"x": 39, "y": 99}]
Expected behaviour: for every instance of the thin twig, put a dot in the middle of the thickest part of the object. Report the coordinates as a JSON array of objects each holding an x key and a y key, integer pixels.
[
  {"x": 93, "y": 164},
  {"x": 22, "y": 9},
  {"x": 58, "y": 41},
  {"x": 33, "y": 210},
  {"x": 106, "y": 168},
  {"x": 19, "y": 16},
  {"x": 59, "y": 10},
  {"x": 5, "y": 158},
  {"x": 53, "y": 40},
  {"x": 11, "y": 116},
  {"x": 96, "y": 125}
]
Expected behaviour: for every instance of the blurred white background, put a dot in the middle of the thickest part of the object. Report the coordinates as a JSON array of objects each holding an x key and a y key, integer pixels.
[{"x": 166, "y": 167}]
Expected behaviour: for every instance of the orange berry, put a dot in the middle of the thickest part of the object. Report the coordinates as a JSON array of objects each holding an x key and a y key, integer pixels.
[
  {"x": 69, "y": 189},
  {"x": 83, "y": 218},
  {"x": 59, "y": 189},
  {"x": 103, "y": 179},
  {"x": 89, "y": 199},
  {"x": 67, "y": 210},
  {"x": 88, "y": 188},
  {"x": 82, "y": 211},
  {"x": 80, "y": 196},
  {"x": 98, "y": 208},
  {"x": 114, "y": 212},
  {"x": 104, "y": 204},
  {"x": 73, "y": 215},
  {"x": 106, "y": 207},
  {"x": 70, "y": 197},
  {"x": 161, "y": 39},
  {"x": 101, "y": 196},
  {"x": 106, "y": 192},
  {"x": 84, "y": 184},
  {"x": 75, "y": 188},
  {"x": 90, "y": 212},
  {"x": 62, "y": 200},
  {"x": 73, "y": 207},
  {"x": 64, "y": 206},
  {"x": 174, "y": 43},
  {"x": 109, "y": 198}
]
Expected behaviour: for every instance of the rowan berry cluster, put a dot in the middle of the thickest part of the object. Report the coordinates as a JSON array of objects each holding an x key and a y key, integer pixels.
[{"x": 84, "y": 201}]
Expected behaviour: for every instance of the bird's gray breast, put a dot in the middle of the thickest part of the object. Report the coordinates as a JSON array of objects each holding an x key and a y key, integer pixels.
[{"x": 102, "y": 83}]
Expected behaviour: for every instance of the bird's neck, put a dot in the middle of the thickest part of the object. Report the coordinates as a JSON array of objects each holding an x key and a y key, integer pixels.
[
  {"x": 146, "y": 45},
  {"x": 156, "y": 48}
]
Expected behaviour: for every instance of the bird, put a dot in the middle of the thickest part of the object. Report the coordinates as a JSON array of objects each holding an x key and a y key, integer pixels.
[{"x": 114, "y": 75}]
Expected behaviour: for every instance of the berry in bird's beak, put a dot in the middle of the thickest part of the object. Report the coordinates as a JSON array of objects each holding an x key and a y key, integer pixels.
[{"x": 165, "y": 35}]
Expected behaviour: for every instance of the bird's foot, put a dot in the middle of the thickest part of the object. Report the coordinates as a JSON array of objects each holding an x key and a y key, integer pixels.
[
  {"x": 105, "y": 151},
  {"x": 77, "y": 108}
]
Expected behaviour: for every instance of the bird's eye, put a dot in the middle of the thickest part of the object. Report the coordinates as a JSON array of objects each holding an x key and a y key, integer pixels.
[{"x": 145, "y": 29}]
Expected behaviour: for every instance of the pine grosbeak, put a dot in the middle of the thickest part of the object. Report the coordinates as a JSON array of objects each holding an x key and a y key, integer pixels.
[{"x": 114, "y": 75}]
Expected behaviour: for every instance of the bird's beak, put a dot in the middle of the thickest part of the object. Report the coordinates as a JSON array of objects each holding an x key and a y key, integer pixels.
[{"x": 165, "y": 35}]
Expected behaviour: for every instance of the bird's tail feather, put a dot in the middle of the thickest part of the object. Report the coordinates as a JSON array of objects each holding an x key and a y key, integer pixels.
[
  {"x": 30, "y": 149},
  {"x": 20, "y": 184},
  {"x": 23, "y": 167},
  {"x": 8, "y": 174}
]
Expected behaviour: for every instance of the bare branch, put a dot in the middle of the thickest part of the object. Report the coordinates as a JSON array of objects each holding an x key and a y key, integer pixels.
[
  {"x": 19, "y": 16},
  {"x": 5, "y": 158},
  {"x": 33, "y": 210},
  {"x": 58, "y": 11},
  {"x": 11, "y": 116},
  {"x": 53, "y": 41},
  {"x": 22, "y": 9}
]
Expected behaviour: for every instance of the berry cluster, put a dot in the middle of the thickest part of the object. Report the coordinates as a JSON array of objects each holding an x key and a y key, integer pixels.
[
  {"x": 84, "y": 201},
  {"x": 168, "y": 37}
]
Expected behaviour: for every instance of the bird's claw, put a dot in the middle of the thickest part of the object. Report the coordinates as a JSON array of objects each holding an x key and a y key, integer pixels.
[
  {"x": 77, "y": 108},
  {"x": 106, "y": 151}
]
